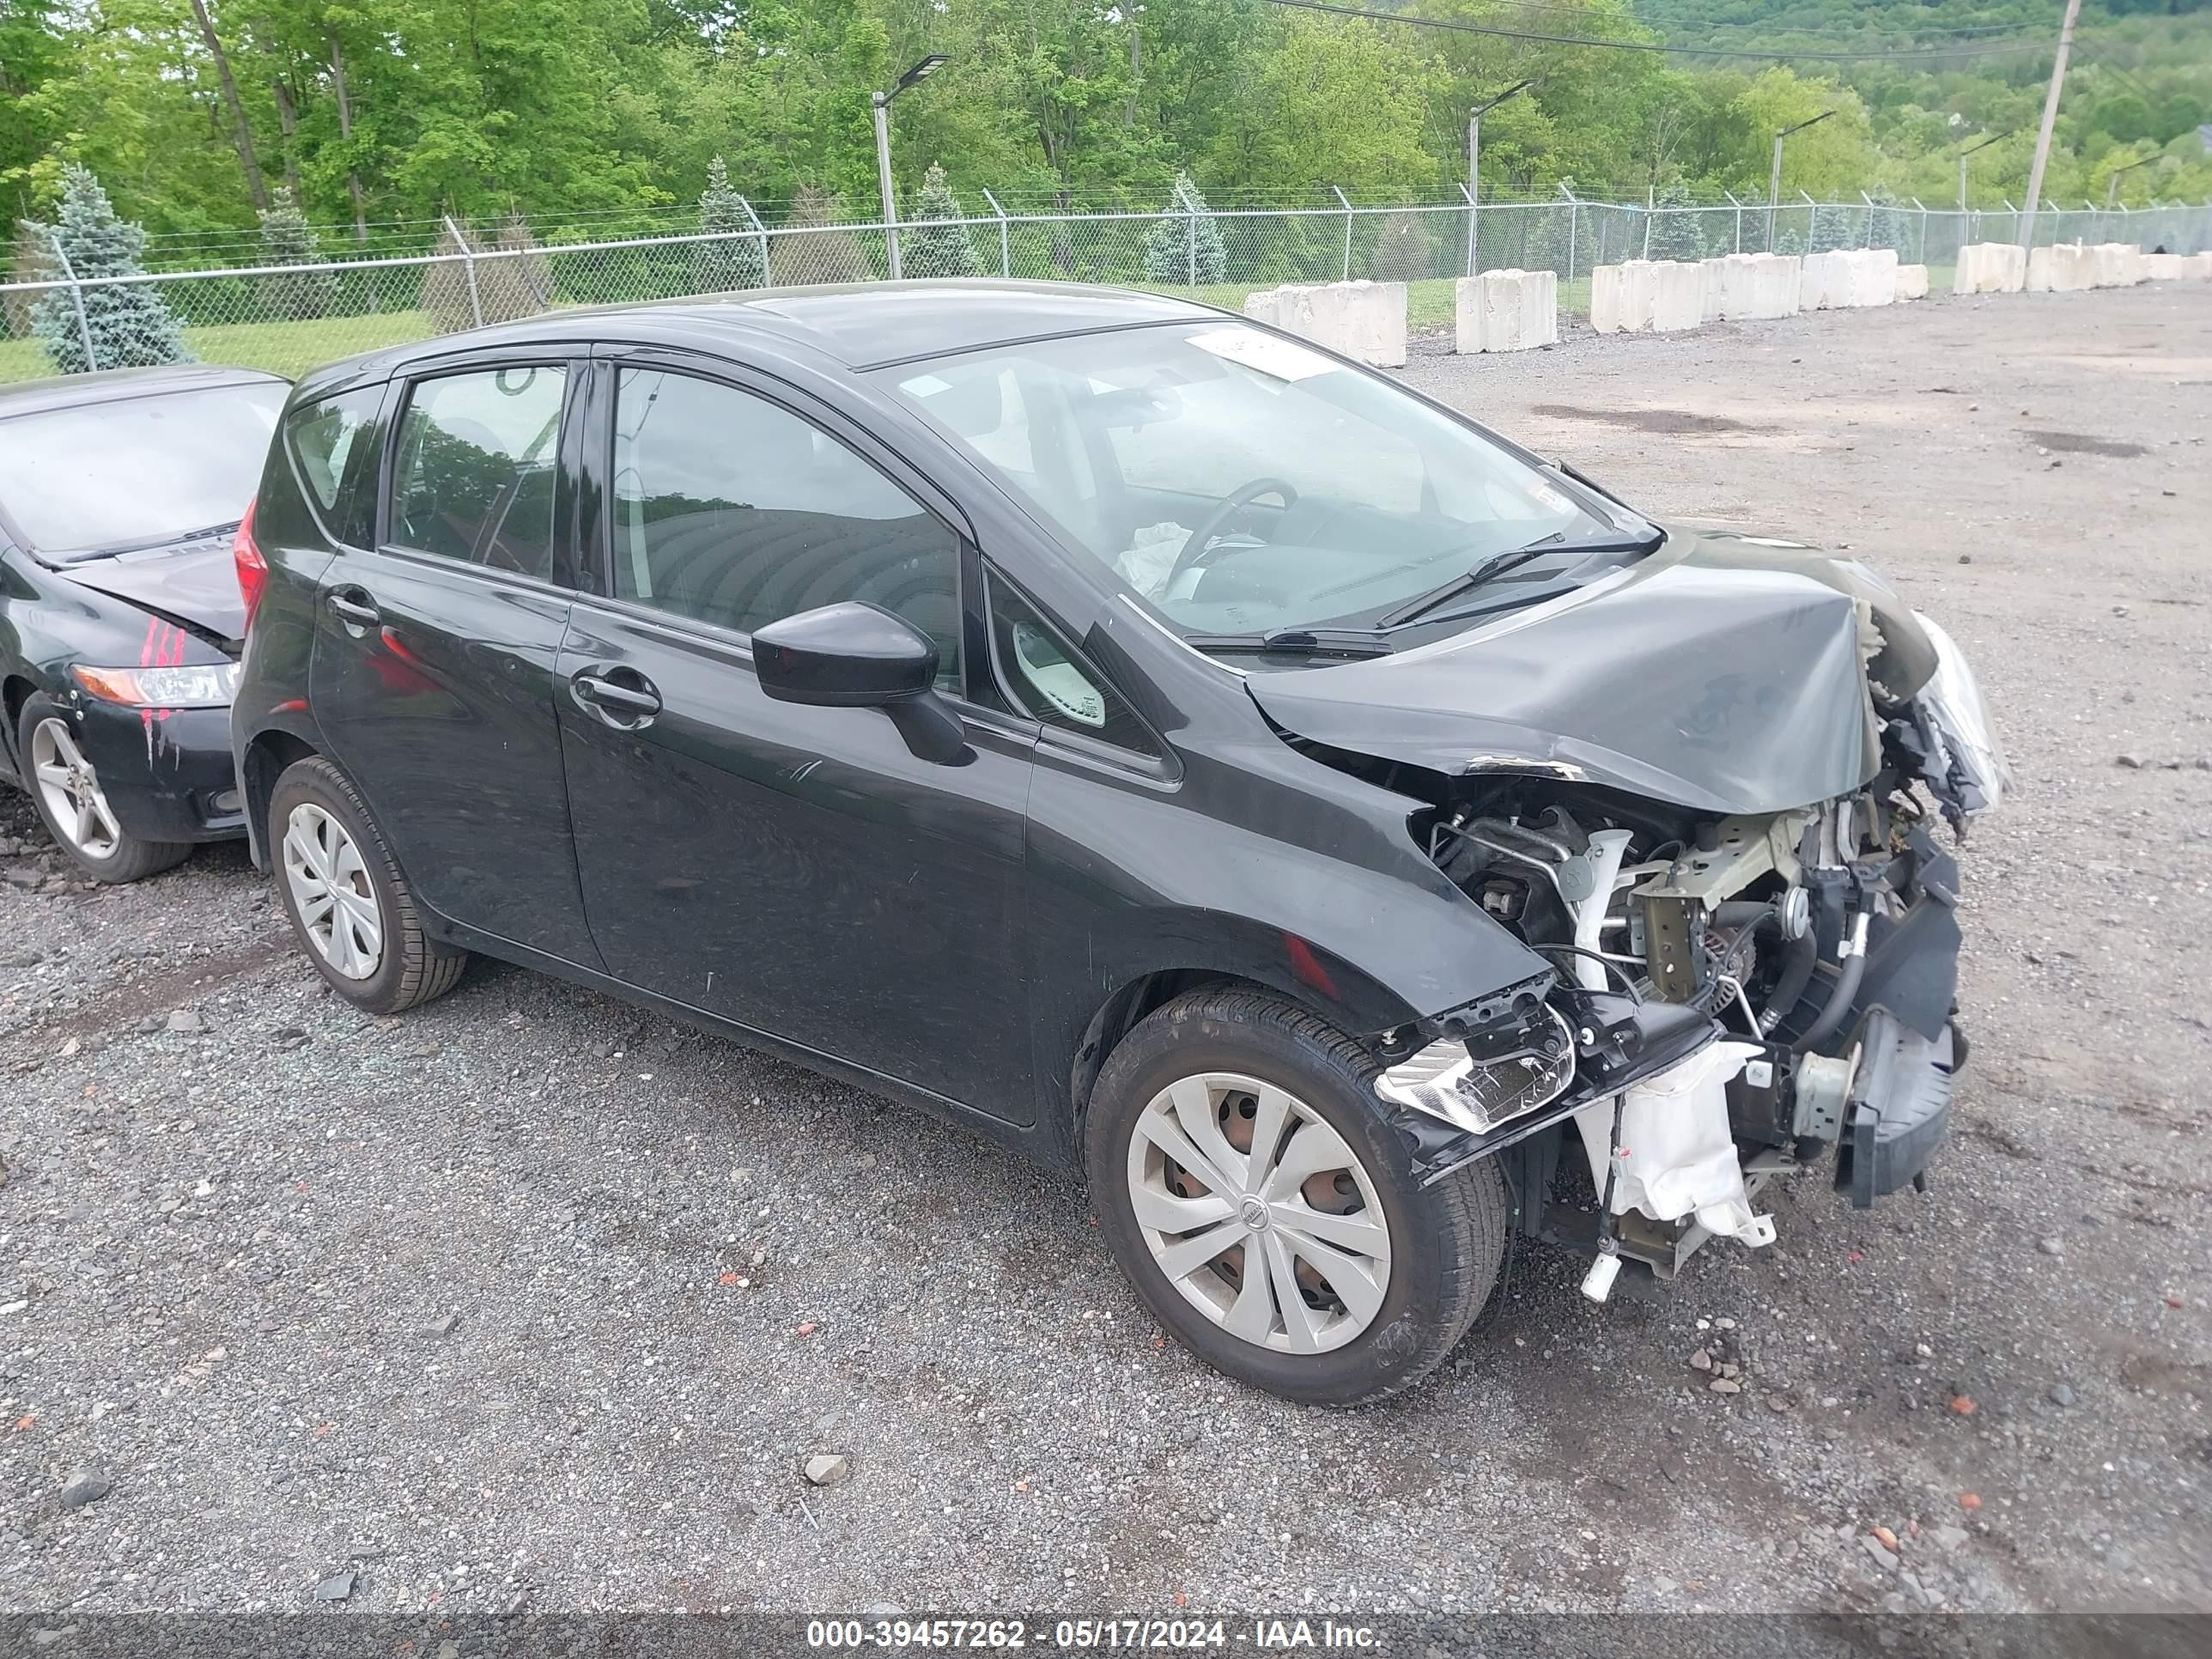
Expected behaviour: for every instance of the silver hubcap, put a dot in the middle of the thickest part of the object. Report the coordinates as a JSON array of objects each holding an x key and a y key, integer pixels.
[
  {"x": 1259, "y": 1213},
  {"x": 71, "y": 790},
  {"x": 331, "y": 890}
]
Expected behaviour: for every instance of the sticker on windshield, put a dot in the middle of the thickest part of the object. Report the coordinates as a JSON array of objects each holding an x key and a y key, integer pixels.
[
  {"x": 925, "y": 386},
  {"x": 1055, "y": 678},
  {"x": 1280, "y": 360},
  {"x": 1550, "y": 497}
]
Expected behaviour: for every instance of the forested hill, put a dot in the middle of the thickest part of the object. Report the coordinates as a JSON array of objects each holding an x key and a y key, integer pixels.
[{"x": 604, "y": 115}]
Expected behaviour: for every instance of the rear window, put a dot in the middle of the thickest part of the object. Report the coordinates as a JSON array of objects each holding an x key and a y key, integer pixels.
[
  {"x": 329, "y": 445},
  {"x": 106, "y": 478}
]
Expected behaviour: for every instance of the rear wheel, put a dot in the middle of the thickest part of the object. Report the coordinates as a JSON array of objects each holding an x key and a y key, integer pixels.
[
  {"x": 72, "y": 801},
  {"x": 1269, "y": 1217},
  {"x": 352, "y": 909}
]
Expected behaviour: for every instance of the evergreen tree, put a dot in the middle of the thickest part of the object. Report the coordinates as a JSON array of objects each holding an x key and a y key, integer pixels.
[
  {"x": 130, "y": 325},
  {"x": 286, "y": 240},
  {"x": 823, "y": 255},
  {"x": 1403, "y": 248},
  {"x": 725, "y": 266},
  {"x": 937, "y": 249},
  {"x": 1678, "y": 231},
  {"x": 1185, "y": 247}
]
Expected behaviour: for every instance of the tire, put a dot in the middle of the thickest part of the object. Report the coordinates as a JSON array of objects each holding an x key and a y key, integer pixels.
[
  {"x": 1444, "y": 1243},
  {"x": 94, "y": 841},
  {"x": 340, "y": 847}
]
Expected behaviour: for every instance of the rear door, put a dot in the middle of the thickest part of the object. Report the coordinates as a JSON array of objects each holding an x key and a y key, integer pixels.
[
  {"x": 795, "y": 869},
  {"x": 433, "y": 672}
]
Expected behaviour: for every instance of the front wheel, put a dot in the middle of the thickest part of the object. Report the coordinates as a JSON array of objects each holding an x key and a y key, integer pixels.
[
  {"x": 1269, "y": 1217},
  {"x": 72, "y": 801}
]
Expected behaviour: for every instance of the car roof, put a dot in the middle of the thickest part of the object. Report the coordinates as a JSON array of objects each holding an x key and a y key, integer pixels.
[
  {"x": 859, "y": 325},
  {"x": 109, "y": 385}
]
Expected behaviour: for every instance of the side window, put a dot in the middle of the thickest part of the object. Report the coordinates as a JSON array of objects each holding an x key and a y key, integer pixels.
[
  {"x": 730, "y": 510},
  {"x": 327, "y": 446},
  {"x": 474, "y": 475},
  {"x": 1051, "y": 683}
]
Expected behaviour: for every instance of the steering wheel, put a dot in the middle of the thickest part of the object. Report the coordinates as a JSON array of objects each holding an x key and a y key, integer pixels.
[{"x": 1203, "y": 538}]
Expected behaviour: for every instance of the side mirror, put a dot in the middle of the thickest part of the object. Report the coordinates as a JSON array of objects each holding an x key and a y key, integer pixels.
[{"x": 852, "y": 655}]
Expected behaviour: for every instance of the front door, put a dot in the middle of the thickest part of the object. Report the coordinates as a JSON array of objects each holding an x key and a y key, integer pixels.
[
  {"x": 795, "y": 869},
  {"x": 432, "y": 678}
]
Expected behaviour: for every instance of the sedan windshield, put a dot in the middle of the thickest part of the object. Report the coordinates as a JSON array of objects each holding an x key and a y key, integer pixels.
[
  {"x": 1249, "y": 487},
  {"x": 104, "y": 478}
]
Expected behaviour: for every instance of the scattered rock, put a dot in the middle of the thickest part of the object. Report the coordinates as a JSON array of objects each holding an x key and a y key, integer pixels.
[
  {"x": 442, "y": 1327},
  {"x": 84, "y": 1489},
  {"x": 2060, "y": 1395},
  {"x": 1966, "y": 558},
  {"x": 2134, "y": 764},
  {"x": 1949, "y": 1538},
  {"x": 1701, "y": 1361},
  {"x": 1888, "y": 1538},
  {"x": 1883, "y": 1558},
  {"x": 1725, "y": 1385},
  {"x": 827, "y": 1468},
  {"x": 184, "y": 1019},
  {"x": 336, "y": 1587},
  {"x": 2055, "y": 1246}
]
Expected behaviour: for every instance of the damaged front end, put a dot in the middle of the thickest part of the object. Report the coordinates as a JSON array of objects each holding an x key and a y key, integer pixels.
[{"x": 1735, "y": 994}]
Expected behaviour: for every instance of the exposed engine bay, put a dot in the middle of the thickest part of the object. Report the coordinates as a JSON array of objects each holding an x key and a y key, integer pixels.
[{"x": 1734, "y": 996}]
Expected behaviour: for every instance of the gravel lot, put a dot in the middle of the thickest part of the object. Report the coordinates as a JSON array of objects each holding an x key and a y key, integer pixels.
[{"x": 531, "y": 1295}]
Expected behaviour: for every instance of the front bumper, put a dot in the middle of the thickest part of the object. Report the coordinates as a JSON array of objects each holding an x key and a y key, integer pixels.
[
  {"x": 166, "y": 773},
  {"x": 1899, "y": 1110}
]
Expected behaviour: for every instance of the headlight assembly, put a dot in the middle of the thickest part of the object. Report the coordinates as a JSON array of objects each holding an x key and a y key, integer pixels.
[
  {"x": 208, "y": 686},
  {"x": 1476, "y": 1084}
]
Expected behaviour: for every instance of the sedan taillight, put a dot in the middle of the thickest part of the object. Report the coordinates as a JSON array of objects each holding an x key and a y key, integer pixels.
[{"x": 253, "y": 569}]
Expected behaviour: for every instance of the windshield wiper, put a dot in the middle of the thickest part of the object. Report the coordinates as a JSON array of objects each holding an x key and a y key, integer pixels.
[
  {"x": 206, "y": 533},
  {"x": 1295, "y": 642},
  {"x": 1499, "y": 563}
]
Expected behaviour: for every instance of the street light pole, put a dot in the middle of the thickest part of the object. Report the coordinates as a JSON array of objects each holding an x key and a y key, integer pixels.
[
  {"x": 1774, "y": 178},
  {"x": 1474, "y": 162},
  {"x": 2050, "y": 119},
  {"x": 920, "y": 72}
]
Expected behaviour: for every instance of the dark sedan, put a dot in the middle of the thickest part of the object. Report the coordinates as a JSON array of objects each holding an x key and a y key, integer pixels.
[
  {"x": 1145, "y": 740},
  {"x": 120, "y": 618}
]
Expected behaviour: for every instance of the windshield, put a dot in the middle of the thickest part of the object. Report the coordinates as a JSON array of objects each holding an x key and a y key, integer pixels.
[
  {"x": 103, "y": 476},
  {"x": 1240, "y": 483}
]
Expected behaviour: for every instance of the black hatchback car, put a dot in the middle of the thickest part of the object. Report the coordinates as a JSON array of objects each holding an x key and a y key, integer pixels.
[
  {"x": 1141, "y": 737},
  {"x": 120, "y": 617}
]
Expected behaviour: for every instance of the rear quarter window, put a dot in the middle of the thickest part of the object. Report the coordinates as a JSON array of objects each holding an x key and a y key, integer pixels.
[{"x": 329, "y": 443}]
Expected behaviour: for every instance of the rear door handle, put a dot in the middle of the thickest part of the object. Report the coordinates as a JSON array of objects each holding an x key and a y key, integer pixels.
[
  {"x": 351, "y": 606},
  {"x": 629, "y": 701}
]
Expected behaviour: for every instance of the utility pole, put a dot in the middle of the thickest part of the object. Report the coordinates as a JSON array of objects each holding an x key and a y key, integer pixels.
[
  {"x": 882, "y": 100},
  {"x": 1992, "y": 139},
  {"x": 2050, "y": 119}
]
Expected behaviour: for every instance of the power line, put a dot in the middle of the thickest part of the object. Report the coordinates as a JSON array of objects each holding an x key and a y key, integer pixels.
[
  {"x": 1768, "y": 55},
  {"x": 1563, "y": 8}
]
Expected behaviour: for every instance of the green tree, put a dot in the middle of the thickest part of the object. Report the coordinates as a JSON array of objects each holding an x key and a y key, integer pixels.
[
  {"x": 934, "y": 247},
  {"x": 1677, "y": 232},
  {"x": 1334, "y": 102},
  {"x": 126, "y": 326},
  {"x": 1185, "y": 247},
  {"x": 287, "y": 240},
  {"x": 723, "y": 267},
  {"x": 818, "y": 254}
]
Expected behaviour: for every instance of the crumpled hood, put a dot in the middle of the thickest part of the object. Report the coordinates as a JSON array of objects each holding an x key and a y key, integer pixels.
[
  {"x": 195, "y": 583},
  {"x": 1723, "y": 673}
]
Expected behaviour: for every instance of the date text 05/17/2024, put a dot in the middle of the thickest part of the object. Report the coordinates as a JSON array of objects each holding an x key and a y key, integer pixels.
[{"x": 1264, "y": 1634}]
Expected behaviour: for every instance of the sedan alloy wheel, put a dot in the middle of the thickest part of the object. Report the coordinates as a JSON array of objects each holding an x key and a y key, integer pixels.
[{"x": 76, "y": 805}]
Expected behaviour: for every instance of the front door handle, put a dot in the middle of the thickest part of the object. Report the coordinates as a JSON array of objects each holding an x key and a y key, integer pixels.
[
  {"x": 351, "y": 606},
  {"x": 620, "y": 697}
]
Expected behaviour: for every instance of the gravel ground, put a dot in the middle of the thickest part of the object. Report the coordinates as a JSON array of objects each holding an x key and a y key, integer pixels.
[{"x": 531, "y": 1295}]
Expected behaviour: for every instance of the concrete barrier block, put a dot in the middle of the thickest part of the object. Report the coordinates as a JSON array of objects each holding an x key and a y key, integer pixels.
[
  {"x": 1742, "y": 287},
  {"x": 1678, "y": 295},
  {"x": 2164, "y": 267},
  {"x": 1989, "y": 267},
  {"x": 1506, "y": 311},
  {"x": 1872, "y": 275},
  {"x": 2119, "y": 264},
  {"x": 1826, "y": 282},
  {"x": 1912, "y": 281},
  {"x": 2197, "y": 267},
  {"x": 2061, "y": 268},
  {"x": 1362, "y": 319}
]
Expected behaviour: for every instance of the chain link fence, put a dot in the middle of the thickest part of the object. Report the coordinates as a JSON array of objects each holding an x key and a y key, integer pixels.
[{"x": 288, "y": 319}]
